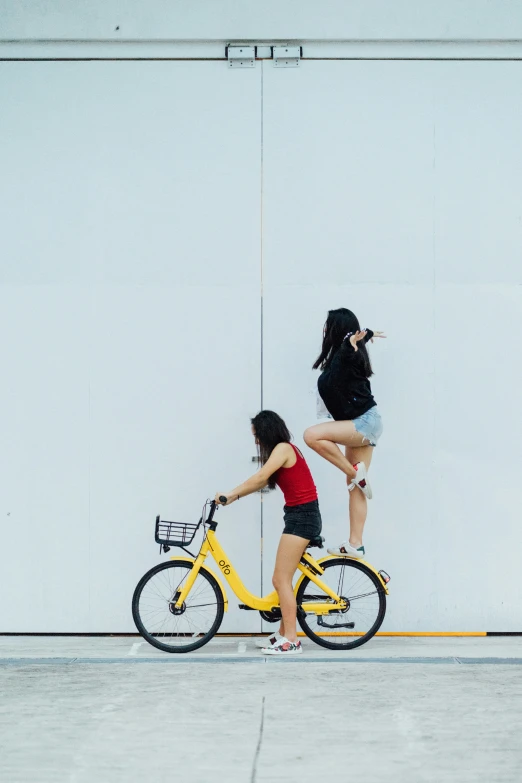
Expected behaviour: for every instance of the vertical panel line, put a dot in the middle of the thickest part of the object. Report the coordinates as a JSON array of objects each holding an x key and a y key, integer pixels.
[
  {"x": 434, "y": 492},
  {"x": 261, "y": 235},
  {"x": 91, "y": 321},
  {"x": 261, "y": 184}
]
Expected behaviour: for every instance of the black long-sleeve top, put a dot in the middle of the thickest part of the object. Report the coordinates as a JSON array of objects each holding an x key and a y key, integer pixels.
[{"x": 343, "y": 386}]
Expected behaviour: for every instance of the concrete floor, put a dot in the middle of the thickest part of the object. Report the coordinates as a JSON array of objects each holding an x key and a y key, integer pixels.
[
  {"x": 134, "y": 649},
  {"x": 76, "y": 710}
]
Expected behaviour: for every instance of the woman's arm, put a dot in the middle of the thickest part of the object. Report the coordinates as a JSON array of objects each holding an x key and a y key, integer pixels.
[
  {"x": 282, "y": 453},
  {"x": 366, "y": 335}
]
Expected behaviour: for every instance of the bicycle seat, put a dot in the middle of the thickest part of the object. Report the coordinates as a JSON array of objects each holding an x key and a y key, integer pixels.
[{"x": 318, "y": 541}]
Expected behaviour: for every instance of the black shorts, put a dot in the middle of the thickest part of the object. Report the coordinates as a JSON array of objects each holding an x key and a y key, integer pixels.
[{"x": 304, "y": 520}]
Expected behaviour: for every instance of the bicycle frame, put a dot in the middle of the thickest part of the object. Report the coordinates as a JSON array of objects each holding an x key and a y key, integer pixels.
[{"x": 310, "y": 568}]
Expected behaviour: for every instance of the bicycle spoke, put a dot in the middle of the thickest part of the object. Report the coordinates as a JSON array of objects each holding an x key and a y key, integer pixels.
[
  {"x": 190, "y": 622},
  {"x": 343, "y": 629},
  {"x": 363, "y": 595}
]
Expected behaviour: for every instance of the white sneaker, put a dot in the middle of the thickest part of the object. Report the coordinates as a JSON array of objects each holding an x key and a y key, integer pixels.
[
  {"x": 284, "y": 647},
  {"x": 275, "y": 637},
  {"x": 347, "y": 550},
  {"x": 361, "y": 480}
]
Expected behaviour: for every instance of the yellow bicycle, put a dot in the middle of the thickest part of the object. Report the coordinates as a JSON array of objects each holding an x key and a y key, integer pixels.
[{"x": 178, "y": 606}]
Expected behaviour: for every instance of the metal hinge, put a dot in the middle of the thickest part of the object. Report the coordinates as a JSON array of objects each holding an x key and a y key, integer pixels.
[
  {"x": 281, "y": 56},
  {"x": 287, "y": 56},
  {"x": 241, "y": 56}
]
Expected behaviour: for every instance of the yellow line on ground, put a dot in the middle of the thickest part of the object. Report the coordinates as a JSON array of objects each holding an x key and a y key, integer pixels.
[
  {"x": 405, "y": 633},
  {"x": 432, "y": 633}
]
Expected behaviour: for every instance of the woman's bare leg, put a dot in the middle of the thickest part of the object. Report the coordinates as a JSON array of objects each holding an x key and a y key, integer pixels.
[
  {"x": 358, "y": 502},
  {"x": 323, "y": 438},
  {"x": 289, "y": 553}
]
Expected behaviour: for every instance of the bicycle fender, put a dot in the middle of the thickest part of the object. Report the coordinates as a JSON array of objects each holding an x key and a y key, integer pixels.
[
  {"x": 332, "y": 557},
  {"x": 218, "y": 580}
]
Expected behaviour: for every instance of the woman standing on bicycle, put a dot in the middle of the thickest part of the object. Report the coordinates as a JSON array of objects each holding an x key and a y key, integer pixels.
[
  {"x": 283, "y": 465},
  {"x": 344, "y": 389}
]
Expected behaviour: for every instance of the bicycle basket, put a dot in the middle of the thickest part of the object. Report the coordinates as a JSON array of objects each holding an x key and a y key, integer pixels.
[{"x": 175, "y": 533}]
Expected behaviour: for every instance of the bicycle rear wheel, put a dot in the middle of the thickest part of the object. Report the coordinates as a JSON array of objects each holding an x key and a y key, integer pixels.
[
  {"x": 366, "y": 605},
  {"x": 177, "y": 630}
]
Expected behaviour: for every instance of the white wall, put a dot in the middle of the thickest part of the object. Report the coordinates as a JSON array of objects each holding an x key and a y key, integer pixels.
[
  {"x": 131, "y": 215},
  {"x": 253, "y": 20},
  {"x": 130, "y": 314},
  {"x": 394, "y": 188}
]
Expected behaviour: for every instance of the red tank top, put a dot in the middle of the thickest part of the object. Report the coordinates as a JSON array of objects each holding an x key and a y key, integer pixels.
[{"x": 296, "y": 482}]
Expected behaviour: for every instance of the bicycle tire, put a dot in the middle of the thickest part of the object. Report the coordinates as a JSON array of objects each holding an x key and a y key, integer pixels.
[
  {"x": 357, "y": 642},
  {"x": 149, "y": 636}
]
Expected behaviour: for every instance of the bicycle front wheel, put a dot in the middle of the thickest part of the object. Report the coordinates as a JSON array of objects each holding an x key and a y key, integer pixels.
[
  {"x": 363, "y": 616},
  {"x": 161, "y": 623}
]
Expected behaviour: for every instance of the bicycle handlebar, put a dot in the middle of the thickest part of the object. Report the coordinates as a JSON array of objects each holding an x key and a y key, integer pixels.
[{"x": 213, "y": 509}]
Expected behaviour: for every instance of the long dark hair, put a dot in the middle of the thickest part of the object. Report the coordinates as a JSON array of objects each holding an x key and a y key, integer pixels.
[
  {"x": 338, "y": 324},
  {"x": 269, "y": 430}
]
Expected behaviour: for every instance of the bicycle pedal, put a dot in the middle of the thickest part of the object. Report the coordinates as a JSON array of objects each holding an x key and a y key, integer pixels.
[{"x": 320, "y": 621}]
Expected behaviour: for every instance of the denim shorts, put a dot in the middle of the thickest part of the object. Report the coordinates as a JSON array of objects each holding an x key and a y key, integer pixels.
[
  {"x": 304, "y": 520},
  {"x": 369, "y": 425}
]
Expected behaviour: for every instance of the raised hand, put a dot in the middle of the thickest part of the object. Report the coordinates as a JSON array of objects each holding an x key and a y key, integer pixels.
[
  {"x": 378, "y": 334},
  {"x": 356, "y": 338}
]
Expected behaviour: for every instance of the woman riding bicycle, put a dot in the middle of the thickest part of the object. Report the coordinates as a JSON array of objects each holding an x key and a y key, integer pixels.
[
  {"x": 284, "y": 466},
  {"x": 344, "y": 388}
]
